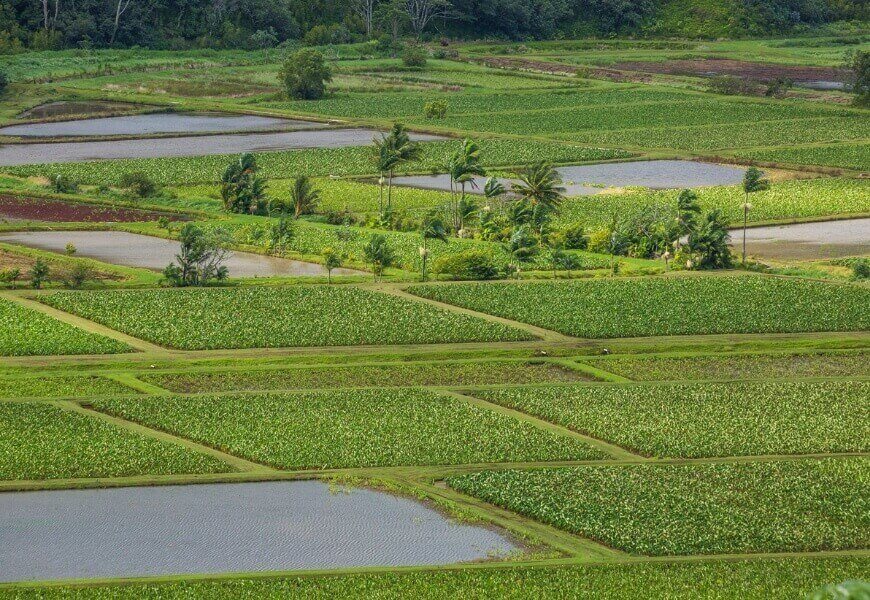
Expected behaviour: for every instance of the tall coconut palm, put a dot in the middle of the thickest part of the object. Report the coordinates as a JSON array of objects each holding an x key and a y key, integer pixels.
[
  {"x": 753, "y": 181},
  {"x": 540, "y": 184},
  {"x": 463, "y": 167},
  {"x": 392, "y": 151},
  {"x": 432, "y": 228}
]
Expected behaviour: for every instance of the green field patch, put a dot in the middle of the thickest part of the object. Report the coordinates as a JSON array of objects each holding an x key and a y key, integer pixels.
[
  {"x": 26, "y": 332},
  {"x": 738, "y": 366},
  {"x": 705, "y": 138},
  {"x": 58, "y": 387},
  {"x": 846, "y": 156},
  {"x": 783, "y": 579},
  {"x": 41, "y": 441},
  {"x": 709, "y": 419},
  {"x": 259, "y": 317},
  {"x": 786, "y": 506},
  {"x": 337, "y": 376},
  {"x": 792, "y": 199},
  {"x": 687, "y": 305},
  {"x": 314, "y": 162},
  {"x": 360, "y": 428}
]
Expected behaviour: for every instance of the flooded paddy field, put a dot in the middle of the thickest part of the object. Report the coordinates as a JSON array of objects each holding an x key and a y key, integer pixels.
[
  {"x": 216, "y": 528},
  {"x": 156, "y": 123},
  {"x": 586, "y": 180},
  {"x": 61, "y": 152},
  {"x": 18, "y": 208},
  {"x": 142, "y": 251},
  {"x": 807, "y": 241},
  {"x": 70, "y": 108}
]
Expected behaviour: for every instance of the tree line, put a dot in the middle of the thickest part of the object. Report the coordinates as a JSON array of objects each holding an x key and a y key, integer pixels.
[{"x": 177, "y": 24}]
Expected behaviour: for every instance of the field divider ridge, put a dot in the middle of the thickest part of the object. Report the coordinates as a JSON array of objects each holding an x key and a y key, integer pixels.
[
  {"x": 617, "y": 452},
  {"x": 595, "y": 372},
  {"x": 85, "y": 324},
  {"x": 131, "y": 381},
  {"x": 545, "y": 335},
  {"x": 236, "y": 462}
]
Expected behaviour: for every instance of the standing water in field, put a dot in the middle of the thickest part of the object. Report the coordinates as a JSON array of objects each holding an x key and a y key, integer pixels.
[
  {"x": 586, "y": 180},
  {"x": 156, "y": 123},
  {"x": 807, "y": 241},
  {"x": 129, "y": 532},
  {"x": 146, "y": 252}
]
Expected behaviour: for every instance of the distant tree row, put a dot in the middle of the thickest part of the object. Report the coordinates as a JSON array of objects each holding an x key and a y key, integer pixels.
[{"x": 172, "y": 24}]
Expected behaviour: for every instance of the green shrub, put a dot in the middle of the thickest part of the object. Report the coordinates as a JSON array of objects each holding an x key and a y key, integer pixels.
[
  {"x": 414, "y": 56},
  {"x": 304, "y": 75},
  {"x": 4, "y": 81},
  {"x": 437, "y": 109},
  {"x": 861, "y": 269},
  {"x": 575, "y": 238},
  {"x": 62, "y": 184},
  {"x": 139, "y": 183},
  {"x": 469, "y": 264}
]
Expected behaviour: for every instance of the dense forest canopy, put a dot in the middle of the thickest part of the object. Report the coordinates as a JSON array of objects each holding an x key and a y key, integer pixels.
[{"x": 45, "y": 24}]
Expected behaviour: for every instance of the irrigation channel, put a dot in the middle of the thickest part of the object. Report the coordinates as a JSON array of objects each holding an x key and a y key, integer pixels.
[
  {"x": 143, "y": 251},
  {"x": 217, "y": 528},
  {"x": 807, "y": 241},
  {"x": 586, "y": 180}
]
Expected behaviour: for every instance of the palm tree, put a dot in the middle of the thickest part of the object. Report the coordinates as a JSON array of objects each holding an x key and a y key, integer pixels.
[
  {"x": 304, "y": 197},
  {"x": 540, "y": 184},
  {"x": 385, "y": 162},
  {"x": 753, "y": 181},
  {"x": 391, "y": 151},
  {"x": 463, "y": 167},
  {"x": 432, "y": 228}
]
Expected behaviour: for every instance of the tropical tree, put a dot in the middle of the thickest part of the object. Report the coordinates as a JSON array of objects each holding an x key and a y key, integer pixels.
[
  {"x": 331, "y": 260},
  {"x": 463, "y": 167},
  {"x": 39, "y": 273},
  {"x": 708, "y": 243},
  {"x": 392, "y": 151},
  {"x": 688, "y": 211},
  {"x": 432, "y": 228},
  {"x": 305, "y": 74},
  {"x": 201, "y": 257},
  {"x": 540, "y": 184},
  {"x": 243, "y": 190},
  {"x": 378, "y": 254},
  {"x": 753, "y": 181},
  {"x": 303, "y": 197}
]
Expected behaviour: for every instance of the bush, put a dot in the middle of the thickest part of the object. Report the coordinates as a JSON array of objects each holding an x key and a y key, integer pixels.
[
  {"x": 39, "y": 274},
  {"x": 139, "y": 184},
  {"x": 317, "y": 36},
  {"x": 861, "y": 269},
  {"x": 64, "y": 185},
  {"x": 414, "y": 56},
  {"x": 4, "y": 81},
  {"x": 78, "y": 276},
  {"x": 264, "y": 38},
  {"x": 730, "y": 85},
  {"x": 575, "y": 237},
  {"x": 437, "y": 109},
  {"x": 304, "y": 75},
  {"x": 470, "y": 264}
]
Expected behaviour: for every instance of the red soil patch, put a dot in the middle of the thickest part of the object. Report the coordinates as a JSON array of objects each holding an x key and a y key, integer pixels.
[
  {"x": 43, "y": 209},
  {"x": 750, "y": 70}
]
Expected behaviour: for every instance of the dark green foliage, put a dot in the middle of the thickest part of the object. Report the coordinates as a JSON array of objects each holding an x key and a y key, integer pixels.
[
  {"x": 574, "y": 237},
  {"x": 78, "y": 275},
  {"x": 4, "y": 81},
  {"x": 859, "y": 62},
  {"x": 469, "y": 264},
  {"x": 304, "y": 75},
  {"x": 243, "y": 190},
  {"x": 139, "y": 184},
  {"x": 861, "y": 269},
  {"x": 201, "y": 258},
  {"x": 708, "y": 244},
  {"x": 39, "y": 273},
  {"x": 414, "y": 56},
  {"x": 378, "y": 254},
  {"x": 64, "y": 185}
]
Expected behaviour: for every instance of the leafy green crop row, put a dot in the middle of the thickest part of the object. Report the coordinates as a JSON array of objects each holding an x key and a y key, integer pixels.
[
  {"x": 376, "y": 376},
  {"x": 702, "y": 420},
  {"x": 667, "y": 305},
  {"x": 793, "y": 199},
  {"x": 55, "y": 387},
  {"x": 26, "y": 332},
  {"x": 704, "y": 138},
  {"x": 723, "y": 580},
  {"x": 351, "y": 428},
  {"x": 847, "y": 156},
  {"x": 40, "y": 441},
  {"x": 786, "y": 506},
  {"x": 255, "y": 317},
  {"x": 312, "y": 162},
  {"x": 742, "y": 366}
]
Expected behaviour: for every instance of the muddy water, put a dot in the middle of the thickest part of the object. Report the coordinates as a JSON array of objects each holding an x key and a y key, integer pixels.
[
  {"x": 156, "y": 123},
  {"x": 806, "y": 241},
  {"x": 78, "y": 108},
  {"x": 224, "y": 528},
  {"x": 23, "y": 154},
  {"x": 133, "y": 250},
  {"x": 586, "y": 180}
]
